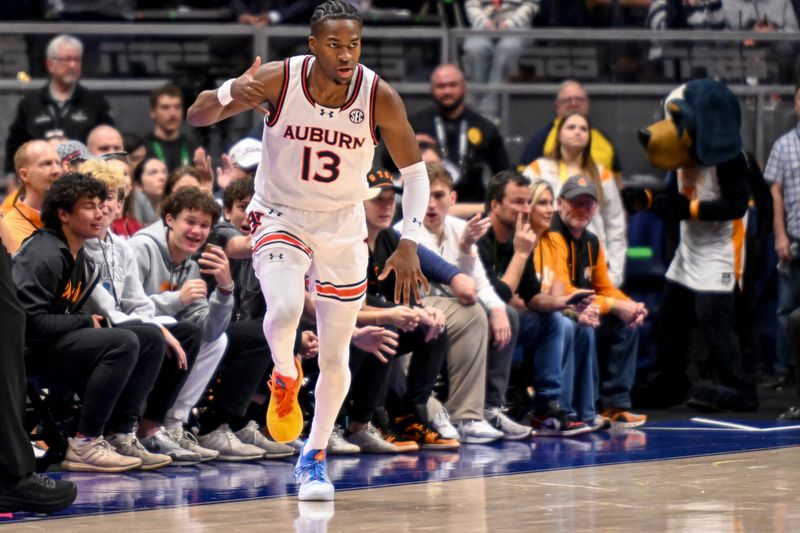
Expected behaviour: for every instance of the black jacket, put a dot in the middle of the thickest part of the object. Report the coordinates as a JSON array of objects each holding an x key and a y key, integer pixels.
[
  {"x": 38, "y": 114},
  {"x": 52, "y": 286},
  {"x": 495, "y": 257}
]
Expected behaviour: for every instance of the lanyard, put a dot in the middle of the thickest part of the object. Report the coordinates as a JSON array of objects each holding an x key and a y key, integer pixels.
[
  {"x": 31, "y": 222},
  {"x": 159, "y": 151},
  {"x": 441, "y": 138}
]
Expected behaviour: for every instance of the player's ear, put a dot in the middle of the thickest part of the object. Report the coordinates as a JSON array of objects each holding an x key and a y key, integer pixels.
[{"x": 312, "y": 44}]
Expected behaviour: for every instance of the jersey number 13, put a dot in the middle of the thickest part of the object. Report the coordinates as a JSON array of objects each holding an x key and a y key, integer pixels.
[{"x": 330, "y": 166}]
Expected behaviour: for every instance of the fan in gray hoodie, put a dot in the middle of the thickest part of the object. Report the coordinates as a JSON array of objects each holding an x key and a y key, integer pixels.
[{"x": 162, "y": 280}]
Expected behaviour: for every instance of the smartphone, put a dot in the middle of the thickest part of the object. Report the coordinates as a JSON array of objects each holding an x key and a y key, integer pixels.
[{"x": 579, "y": 296}]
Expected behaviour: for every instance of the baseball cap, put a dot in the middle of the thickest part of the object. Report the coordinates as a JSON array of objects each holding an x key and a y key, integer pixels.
[
  {"x": 246, "y": 153},
  {"x": 73, "y": 151},
  {"x": 379, "y": 179},
  {"x": 576, "y": 186}
]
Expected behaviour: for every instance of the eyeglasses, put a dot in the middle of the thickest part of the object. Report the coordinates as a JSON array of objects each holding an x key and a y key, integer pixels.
[
  {"x": 114, "y": 156},
  {"x": 573, "y": 100},
  {"x": 67, "y": 59}
]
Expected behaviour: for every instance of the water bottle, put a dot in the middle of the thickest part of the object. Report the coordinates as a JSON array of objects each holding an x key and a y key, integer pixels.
[{"x": 794, "y": 252}]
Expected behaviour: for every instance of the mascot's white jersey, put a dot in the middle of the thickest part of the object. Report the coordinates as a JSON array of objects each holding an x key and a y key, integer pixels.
[
  {"x": 710, "y": 256},
  {"x": 316, "y": 158}
]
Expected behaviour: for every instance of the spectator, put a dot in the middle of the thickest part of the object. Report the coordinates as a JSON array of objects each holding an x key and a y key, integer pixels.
[
  {"x": 37, "y": 165},
  {"x": 113, "y": 368},
  {"x": 551, "y": 260},
  {"x": 245, "y": 156},
  {"x": 167, "y": 142},
  {"x": 21, "y": 488},
  {"x": 172, "y": 280},
  {"x": 62, "y": 106},
  {"x": 781, "y": 173},
  {"x": 620, "y": 317},
  {"x": 182, "y": 177},
  {"x": 272, "y": 12},
  {"x": 125, "y": 223},
  {"x": 149, "y": 181},
  {"x": 104, "y": 139},
  {"x": 689, "y": 14},
  {"x": 466, "y": 139},
  {"x": 490, "y": 61},
  {"x": 72, "y": 154},
  {"x": 571, "y": 98},
  {"x": 120, "y": 296},
  {"x": 421, "y": 329},
  {"x": 455, "y": 241},
  {"x": 135, "y": 147},
  {"x": 571, "y": 156},
  {"x": 763, "y": 16},
  {"x": 506, "y": 251}
]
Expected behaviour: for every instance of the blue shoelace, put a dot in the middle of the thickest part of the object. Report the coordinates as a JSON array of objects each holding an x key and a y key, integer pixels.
[{"x": 317, "y": 469}]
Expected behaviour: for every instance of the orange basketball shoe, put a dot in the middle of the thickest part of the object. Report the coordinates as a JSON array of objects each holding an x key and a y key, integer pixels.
[{"x": 284, "y": 416}]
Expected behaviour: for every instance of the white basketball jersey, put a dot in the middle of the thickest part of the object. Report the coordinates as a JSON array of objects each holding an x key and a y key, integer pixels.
[
  {"x": 710, "y": 256},
  {"x": 317, "y": 158}
]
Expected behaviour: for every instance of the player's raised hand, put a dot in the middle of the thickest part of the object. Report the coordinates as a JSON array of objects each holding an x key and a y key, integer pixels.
[
  {"x": 408, "y": 275},
  {"x": 249, "y": 91}
]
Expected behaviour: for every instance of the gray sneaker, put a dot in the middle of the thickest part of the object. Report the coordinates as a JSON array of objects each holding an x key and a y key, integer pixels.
[
  {"x": 188, "y": 442},
  {"x": 163, "y": 443},
  {"x": 370, "y": 441},
  {"x": 96, "y": 455},
  {"x": 337, "y": 444},
  {"x": 511, "y": 430},
  {"x": 127, "y": 444},
  {"x": 477, "y": 432},
  {"x": 229, "y": 446},
  {"x": 251, "y": 434}
]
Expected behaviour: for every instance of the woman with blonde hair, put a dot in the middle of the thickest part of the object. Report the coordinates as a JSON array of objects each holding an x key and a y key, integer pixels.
[{"x": 571, "y": 156}]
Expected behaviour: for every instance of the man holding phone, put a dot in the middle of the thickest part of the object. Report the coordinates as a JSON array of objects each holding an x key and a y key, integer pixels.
[{"x": 620, "y": 317}]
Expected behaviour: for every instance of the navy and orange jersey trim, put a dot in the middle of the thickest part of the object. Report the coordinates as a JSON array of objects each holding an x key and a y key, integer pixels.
[
  {"x": 356, "y": 89},
  {"x": 304, "y": 82},
  {"x": 341, "y": 293},
  {"x": 372, "y": 99},
  {"x": 283, "y": 238},
  {"x": 284, "y": 89}
]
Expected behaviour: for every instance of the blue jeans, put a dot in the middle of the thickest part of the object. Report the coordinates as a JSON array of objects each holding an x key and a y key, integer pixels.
[
  {"x": 541, "y": 337},
  {"x": 617, "y": 345},
  {"x": 788, "y": 301},
  {"x": 578, "y": 370}
]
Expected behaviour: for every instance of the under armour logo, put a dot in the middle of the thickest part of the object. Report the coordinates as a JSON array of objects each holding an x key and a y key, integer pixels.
[
  {"x": 322, "y": 113},
  {"x": 416, "y": 221},
  {"x": 275, "y": 212},
  {"x": 273, "y": 257}
]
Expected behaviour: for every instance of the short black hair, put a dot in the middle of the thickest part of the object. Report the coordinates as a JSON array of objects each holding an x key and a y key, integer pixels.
[
  {"x": 238, "y": 190},
  {"x": 65, "y": 192},
  {"x": 191, "y": 199},
  {"x": 333, "y": 10},
  {"x": 496, "y": 190}
]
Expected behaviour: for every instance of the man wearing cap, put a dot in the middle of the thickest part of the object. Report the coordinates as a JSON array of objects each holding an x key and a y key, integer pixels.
[
  {"x": 38, "y": 166},
  {"x": 72, "y": 154},
  {"x": 63, "y": 104},
  {"x": 618, "y": 334},
  {"x": 245, "y": 156}
]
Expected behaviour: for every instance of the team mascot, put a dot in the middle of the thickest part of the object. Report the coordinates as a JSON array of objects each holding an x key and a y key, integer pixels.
[{"x": 707, "y": 195}]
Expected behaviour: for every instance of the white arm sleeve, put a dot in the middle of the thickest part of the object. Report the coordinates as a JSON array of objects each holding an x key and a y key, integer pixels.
[{"x": 416, "y": 190}]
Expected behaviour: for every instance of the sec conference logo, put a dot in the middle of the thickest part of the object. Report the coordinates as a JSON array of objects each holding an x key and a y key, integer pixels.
[{"x": 356, "y": 116}]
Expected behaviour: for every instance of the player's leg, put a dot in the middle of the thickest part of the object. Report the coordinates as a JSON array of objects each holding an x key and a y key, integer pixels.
[{"x": 280, "y": 266}]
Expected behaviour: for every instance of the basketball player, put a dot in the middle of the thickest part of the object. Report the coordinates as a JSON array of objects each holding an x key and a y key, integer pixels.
[{"x": 307, "y": 214}]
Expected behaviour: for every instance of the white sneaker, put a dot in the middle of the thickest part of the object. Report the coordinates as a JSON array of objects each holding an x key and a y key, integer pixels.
[
  {"x": 188, "y": 442},
  {"x": 162, "y": 443},
  {"x": 511, "y": 430},
  {"x": 251, "y": 434},
  {"x": 229, "y": 446},
  {"x": 477, "y": 432},
  {"x": 440, "y": 421},
  {"x": 96, "y": 455},
  {"x": 337, "y": 444},
  {"x": 128, "y": 445},
  {"x": 311, "y": 475},
  {"x": 370, "y": 441}
]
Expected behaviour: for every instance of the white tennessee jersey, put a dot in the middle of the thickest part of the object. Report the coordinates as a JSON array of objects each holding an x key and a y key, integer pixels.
[
  {"x": 317, "y": 158},
  {"x": 710, "y": 257}
]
